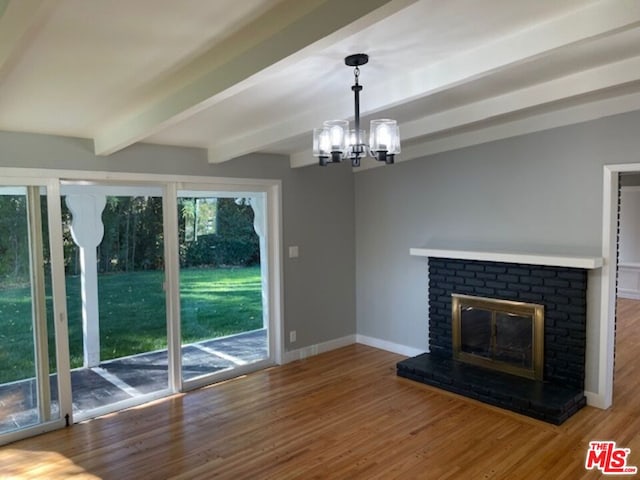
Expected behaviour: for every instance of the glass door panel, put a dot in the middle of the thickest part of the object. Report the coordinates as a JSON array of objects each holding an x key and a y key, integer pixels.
[
  {"x": 114, "y": 255},
  {"x": 28, "y": 380},
  {"x": 222, "y": 289}
]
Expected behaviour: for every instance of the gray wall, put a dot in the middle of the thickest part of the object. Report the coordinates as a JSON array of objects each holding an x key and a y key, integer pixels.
[
  {"x": 539, "y": 192},
  {"x": 318, "y": 216}
]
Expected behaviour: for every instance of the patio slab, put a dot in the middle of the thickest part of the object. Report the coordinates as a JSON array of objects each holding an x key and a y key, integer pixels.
[{"x": 127, "y": 377}]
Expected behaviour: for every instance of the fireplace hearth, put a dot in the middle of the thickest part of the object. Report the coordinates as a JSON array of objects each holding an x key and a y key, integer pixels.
[{"x": 554, "y": 389}]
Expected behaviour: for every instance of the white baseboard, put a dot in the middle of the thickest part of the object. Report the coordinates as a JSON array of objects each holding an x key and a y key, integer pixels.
[
  {"x": 311, "y": 350},
  {"x": 629, "y": 280},
  {"x": 596, "y": 400},
  {"x": 389, "y": 346},
  {"x": 626, "y": 293}
]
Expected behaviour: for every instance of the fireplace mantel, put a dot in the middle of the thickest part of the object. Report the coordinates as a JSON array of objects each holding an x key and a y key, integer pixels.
[{"x": 549, "y": 259}]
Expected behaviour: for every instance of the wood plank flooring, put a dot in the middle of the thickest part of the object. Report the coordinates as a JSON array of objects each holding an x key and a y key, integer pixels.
[{"x": 343, "y": 414}]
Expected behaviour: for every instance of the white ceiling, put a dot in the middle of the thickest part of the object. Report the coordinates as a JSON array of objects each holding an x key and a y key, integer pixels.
[{"x": 242, "y": 76}]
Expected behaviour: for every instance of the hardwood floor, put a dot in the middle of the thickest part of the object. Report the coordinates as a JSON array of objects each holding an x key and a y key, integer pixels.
[{"x": 343, "y": 414}]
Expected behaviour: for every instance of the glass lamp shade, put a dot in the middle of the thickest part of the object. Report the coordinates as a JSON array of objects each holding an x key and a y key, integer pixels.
[
  {"x": 321, "y": 142},
  {"x": 385, "y": 136}
]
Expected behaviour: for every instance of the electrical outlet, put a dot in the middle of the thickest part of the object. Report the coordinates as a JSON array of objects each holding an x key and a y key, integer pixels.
[
  {"x": 292, "y": 336},
  {"x": 294, "y": 251}
]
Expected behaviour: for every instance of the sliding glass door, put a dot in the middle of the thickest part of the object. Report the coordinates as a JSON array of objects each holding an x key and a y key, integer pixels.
[
  {"x": 224, "y": 319},
  {"x": 113, "y": 293},
  {"x": 29, "y": 387},
  {"x": 114, "y": 256}
]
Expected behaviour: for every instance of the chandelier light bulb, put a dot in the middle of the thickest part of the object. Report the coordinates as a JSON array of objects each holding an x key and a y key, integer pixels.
[{"x": 336, "y": 134}]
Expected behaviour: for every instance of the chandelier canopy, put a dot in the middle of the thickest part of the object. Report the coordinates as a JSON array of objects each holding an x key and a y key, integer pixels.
[{"x": 334, "y": 141}]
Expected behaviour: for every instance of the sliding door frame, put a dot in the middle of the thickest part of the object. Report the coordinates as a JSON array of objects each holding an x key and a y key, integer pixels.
[
  {"x": 52, "y": 180},
  {"x": 26, "y": 178},
  {"x": 273, "y": 268}
]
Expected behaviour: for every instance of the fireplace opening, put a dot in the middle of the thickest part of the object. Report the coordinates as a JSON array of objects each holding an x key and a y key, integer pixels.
[{"x": 499, "y": 334}]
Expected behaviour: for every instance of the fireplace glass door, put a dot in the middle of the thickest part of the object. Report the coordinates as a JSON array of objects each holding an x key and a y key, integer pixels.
[
  {"x": 498, "y": 334},
  {"x": 514, "y": 339}
]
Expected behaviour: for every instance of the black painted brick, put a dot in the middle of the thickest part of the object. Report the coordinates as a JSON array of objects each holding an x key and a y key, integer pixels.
[
  {"x": 572, "y": 340},
  {"x": 573, "y": 274},
  {"x": 528, "y": 280},
  {"x": 558, "y": 299},
  {"x": 518, "y": 271},
  {"x": 485, "y": 291},
  {"x": 465, "y": 289},
  {"x": 564, "y": 346},
  {"x": 486, "y": 276},
  {"x": 571, "y": 309},
  {"x": 495, "y": 269},
  {"x": 556, "y": 282},
  {"x": 555, "y": 314},
  {"x": 519, "y": 287},
  {"x": 572, "y": 292},
  {"x": 569, "y": 325},
  {"x": 466, "y": 274},
  {"x": 579, "y": 335},
  {"x": 544, "y": 273},
  {"x": 505, "y": 277},
  {"x": 474, "y": 267},
  {"x": 557, "y": 331},
  {"x": 531, "y": 297},
  {"x": 543, "y": 290}
]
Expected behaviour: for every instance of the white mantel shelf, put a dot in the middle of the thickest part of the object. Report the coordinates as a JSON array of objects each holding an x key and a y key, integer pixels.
[{"x": 551, "y": 260}]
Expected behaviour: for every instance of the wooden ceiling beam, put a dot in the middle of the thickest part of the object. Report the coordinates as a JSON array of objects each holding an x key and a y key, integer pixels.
[{"x": 235, "y": 64}]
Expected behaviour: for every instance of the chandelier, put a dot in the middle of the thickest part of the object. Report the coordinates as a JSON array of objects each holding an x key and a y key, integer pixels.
[{"x": 334, "y": 141}]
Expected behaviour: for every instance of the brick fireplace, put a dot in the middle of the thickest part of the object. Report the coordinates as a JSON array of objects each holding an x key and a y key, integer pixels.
[{"x": 561, "y": 290}]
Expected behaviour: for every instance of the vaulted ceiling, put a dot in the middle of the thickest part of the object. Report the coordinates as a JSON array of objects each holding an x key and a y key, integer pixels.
[{"x": 242, "y": 76}]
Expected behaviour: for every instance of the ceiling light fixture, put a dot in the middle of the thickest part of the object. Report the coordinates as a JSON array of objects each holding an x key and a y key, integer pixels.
[{"x": 334, "y": 142}]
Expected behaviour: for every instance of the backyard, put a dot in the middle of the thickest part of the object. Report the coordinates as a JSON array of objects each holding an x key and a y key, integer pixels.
[{"x": 215, "y": 302}]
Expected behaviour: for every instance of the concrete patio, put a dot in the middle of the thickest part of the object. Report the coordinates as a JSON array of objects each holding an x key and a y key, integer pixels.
[{"x": 129, "y": 377}]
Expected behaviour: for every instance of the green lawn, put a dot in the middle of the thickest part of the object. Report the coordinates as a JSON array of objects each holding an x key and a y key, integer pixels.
[{"x": 214, "y": 303}]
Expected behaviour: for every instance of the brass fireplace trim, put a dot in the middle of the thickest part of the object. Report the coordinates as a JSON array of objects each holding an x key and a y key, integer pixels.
[{"x": 535, "y": 311}]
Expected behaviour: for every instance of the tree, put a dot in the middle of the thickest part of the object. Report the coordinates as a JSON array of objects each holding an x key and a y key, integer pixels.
[
  {"x": 14, "y": 244},
  {"x": 234, "y": 242}
]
